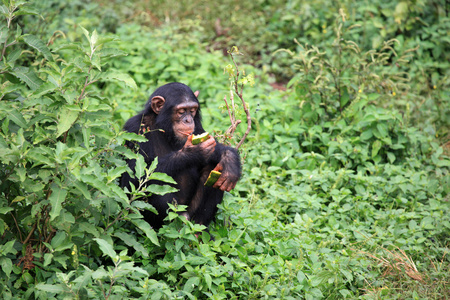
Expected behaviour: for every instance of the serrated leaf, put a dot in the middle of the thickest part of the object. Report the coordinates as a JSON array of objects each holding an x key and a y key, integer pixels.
[
  {"x": 81, "y": 186},
  {"x": 111, "y": 52},
  {"x": 3, "y": 35},
  {"x": 139, "y": 170},
  {"x": 17, "y": 118},
  {"x": 68, "y": 46},
  {"x": 106, "y": 248},
  {"x": 149, "y": 232},
  {"x": 94, "y": 38},
  {"x": 153, "y": 166},
  {"x": 66, "y": 119},
  {"x": 83, "y": 280},
  {"x": 98, "y": 184},
  {"x": 26, "y": 10},
  {"x": 160, "y": 189},
  {"x": 56, "y": 199},
  {"x": 162, "y": 177},
  {"x": 121, "y": 194},
  {"x": 27, "y": 76},
  {"x": 144, "y": 205},
  {"x": 125, "y": 78},
  {"x": 89, "y": 228},
  {"x": 45, "y": 88},
  {"x": 132, "y": 242},
  {"x": 86, "y": 33},
  {"x": 37, "y": 44},
  {"x": 49, "y": 288}
]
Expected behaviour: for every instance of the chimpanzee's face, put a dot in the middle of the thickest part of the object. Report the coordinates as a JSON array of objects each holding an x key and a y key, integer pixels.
[{"x": 183, "y": 119}]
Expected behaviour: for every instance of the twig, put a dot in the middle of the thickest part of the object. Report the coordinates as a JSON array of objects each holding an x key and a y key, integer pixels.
[{"x": 239, "y": 92}]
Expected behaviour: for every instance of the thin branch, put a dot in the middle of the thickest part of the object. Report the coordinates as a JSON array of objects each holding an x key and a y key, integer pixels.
[{"x": 244, "y": 105}]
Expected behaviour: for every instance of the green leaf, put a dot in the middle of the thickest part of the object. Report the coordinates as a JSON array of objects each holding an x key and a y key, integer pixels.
[
  {"x": 6, "y": 265},
  {"x": 191, "y": 284},
  {"x": 94, "y": 38},
  {"x": 58, "y": 239},
  {"x": 26, "y": 10},
  {"x": 111, "y": 52},
  {"x": 366, "y": 135},
  {"x": 83, "y": 280},
  {"x": 132, "y": 242},
  {"x": 3, "y": 34},
  {"x": 145, "y": 227},
  {"x": 125, "y": 78},
  {"x": 37, "y": 44},
  {"x": 8, "y": 248},
  {"x": 86, "y": 33},
  {"x": 49, "y": 288},
  {"x": 66, "y": 119},
  {"x": 28, "y": 76},
  {"x": 382, "y": 129},
  {"x": 345, "y": 97},
  {"x": 153, "y": 166},
  {"x": 17, "y": 118},
  {"x": 162, "y": 177},
  {"x": 56, "y": 199},
  {"x": 144, "y": 205},
  {"x": 160, "y": 189},
  {"x": 44, "y": 89},
  {"x": 391, "y": 157},
  {"x": 376, "y": 146},
  {"x": 140, "y": 167},
  {"x": 89, "y": 228},
  {"x": 5, "y": 210},
  {"x": 81, "y": 186},
  {"x": 301, "y": 276},
  {"x": 106, "y": 248}
]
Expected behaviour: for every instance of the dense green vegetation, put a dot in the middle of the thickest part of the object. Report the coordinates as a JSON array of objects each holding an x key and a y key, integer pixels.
[{"x": 345, "y": 191}]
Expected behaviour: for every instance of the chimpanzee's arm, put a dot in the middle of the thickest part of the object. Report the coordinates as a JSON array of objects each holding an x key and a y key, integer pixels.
[{"x": 229, "y": 164}]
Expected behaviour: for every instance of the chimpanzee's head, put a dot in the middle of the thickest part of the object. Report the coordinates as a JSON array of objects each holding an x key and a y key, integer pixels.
[{"x": 177, "y": 111}]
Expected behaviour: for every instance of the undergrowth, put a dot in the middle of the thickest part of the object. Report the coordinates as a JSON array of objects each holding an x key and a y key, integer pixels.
[{"x": 344, "y": 195}]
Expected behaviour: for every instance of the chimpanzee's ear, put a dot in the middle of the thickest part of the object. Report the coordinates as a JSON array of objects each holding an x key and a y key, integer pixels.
[
  {"x": 157, "y": 104},
  {"x": 196, "y": 93}
]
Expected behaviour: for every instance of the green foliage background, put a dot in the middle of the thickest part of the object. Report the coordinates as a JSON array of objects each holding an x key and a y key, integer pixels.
[{"x": 345, "y": 189}]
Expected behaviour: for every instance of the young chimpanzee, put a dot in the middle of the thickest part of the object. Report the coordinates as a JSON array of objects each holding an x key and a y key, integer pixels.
[{"x": 175, "y": 109}]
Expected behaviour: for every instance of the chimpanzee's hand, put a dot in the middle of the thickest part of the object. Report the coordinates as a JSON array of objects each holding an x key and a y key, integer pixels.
[
  {"x": 206, "y": 148},
  {"x": 227, "y": 181}
]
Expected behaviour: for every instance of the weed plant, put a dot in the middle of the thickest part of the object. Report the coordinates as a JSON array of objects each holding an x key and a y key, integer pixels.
[{"x": 341, "y": 197}]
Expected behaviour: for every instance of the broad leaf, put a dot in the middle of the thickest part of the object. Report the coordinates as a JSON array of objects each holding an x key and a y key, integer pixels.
[
  {"x": 66, "y": 119},
  {"x": 56, "y": 199},
  {"x": 160, "y": 189},
  {"x": 149, "y": 232},
  {"x": 27, "y": 76},
  {"x": 162, "y": 177},
  {"x": 17, "y": 118},
  {"x": 106, "y": 248},
  {"x": 116, "y": 75},
  {"x": 37, "y": 44}
]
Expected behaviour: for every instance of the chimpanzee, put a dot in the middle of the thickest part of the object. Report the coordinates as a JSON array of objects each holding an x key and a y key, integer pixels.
[{"x": 169, "y": 119}]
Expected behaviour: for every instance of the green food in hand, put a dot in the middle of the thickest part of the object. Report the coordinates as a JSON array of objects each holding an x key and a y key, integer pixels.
[
  {"x": 212, "y": 178},
  {"x": 197, "y": 139}
]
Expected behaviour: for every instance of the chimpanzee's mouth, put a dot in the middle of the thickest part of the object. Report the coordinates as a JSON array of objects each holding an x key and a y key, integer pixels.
[{"x": 185, "y": 133}]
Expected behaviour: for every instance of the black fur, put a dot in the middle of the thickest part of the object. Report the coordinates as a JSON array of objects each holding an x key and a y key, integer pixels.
[{"x": 189, "y": 168}]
